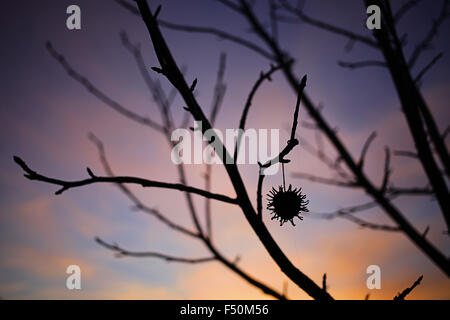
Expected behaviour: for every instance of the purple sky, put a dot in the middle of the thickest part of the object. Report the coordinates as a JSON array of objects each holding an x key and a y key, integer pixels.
[{"x": 46, "y": 117}]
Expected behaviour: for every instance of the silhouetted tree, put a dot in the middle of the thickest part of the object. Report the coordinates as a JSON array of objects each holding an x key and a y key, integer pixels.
[{"x": 420, "y": 121}]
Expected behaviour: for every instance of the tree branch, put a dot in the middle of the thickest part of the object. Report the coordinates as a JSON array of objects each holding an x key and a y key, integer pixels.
[
  {"x": 407, "y": 6},
  {"x": 404, "y": 293},
  {"x": 263, "y": 76},
  {"x": 120, "y": 252},
  {"x": 133, "y": 198},
  {"x": 298, "y": 12},
  {"x": 425, "y": 43},
  {"x": 205, "y": 30},
  {"x": 365, "y": 148},
  {"x": 361, "y": 64},
  {"x": 99, "y": 94},
  {"x": 427, "y": 67},
  {"x": 333, "y": 182},
  {"x": 170, "y": 69},
  {"x": 32, "y": 175}
]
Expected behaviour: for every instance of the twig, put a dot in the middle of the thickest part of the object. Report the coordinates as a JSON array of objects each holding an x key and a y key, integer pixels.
[
  {"x": 407, "y": 6},
  {"x": 130, "y": 195},
  {"x": 427, "y": 67},
  {"x": 273, "y": 19},
  {"x": 361, "y": 64},
  {"x": 404, "y": 293},
  {"x": 99, "y": 94},
  {"x": 171, "y": 71},
  {"x": 32, "y": 175},
  {"x": 370, "y": 225},
  {"x": 365, "y": 148},
  {"x": 206, "y": 30},
  {"x": 425, "y": 43},
  {"x": 219, "y": 92},
  {"x": 333, "y": 182},
  {"x": 387, "y": 170},
  {"x": 159, "y": 96},
  {"x": 123, "y": 252},
  {"x": 298, "y": 12},
  {"x": 263, "y": 76}
]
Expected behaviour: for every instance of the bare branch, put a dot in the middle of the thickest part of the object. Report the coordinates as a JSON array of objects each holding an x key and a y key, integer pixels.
[
  {"x": 259, "y": 192},
  {"x": 206, "y": 30},
  {"x": 404, "y": 293},
  {"x": 329, "y": 162},
  {"x": 292, "y": 142},
  {"x": 173, "y": 74},
  {"x": 120, "y": 252},
  {"x": 343, "y": 211},
  {"x": 365, "y": 224},
  {"x": 333, "y": 182},
  {"x": 99, "y": 94},
  {"x": 130, "y": 195},
  {"x": 299, "y": 13},
  {"x": 219, "y": 92},
  {"x": 230, "y": 5},
  {"x": 412, "y": 191},
  {"x": 361, "y": 64},
  {"x": 445, "y": 133},
  {"x": 425, "y": 43},
  {"x": 346, "y": 213},
  {"x": 219, "y": 89},
  {"x": 403, "y": 153},
  {"x": 263, "y": 76},
  {"x": 297, "y": 106},
  {"x": 365, "y": 148},
  {"x": 427, "y": 67},
  {"x": 159, "y": 96},
  {"x": 273, "y": 19},
  {"x": 387, "y": 170},
  {"x": 407, "y": 6},
  {"x": 32, "y": 175}
]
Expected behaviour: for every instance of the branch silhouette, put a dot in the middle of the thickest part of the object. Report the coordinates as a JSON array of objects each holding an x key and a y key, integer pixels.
[
  {"x": 404, "y": 293},
  {"x": 420, "y": 121},
  {"x": 171, "y": 71},
  {"x": 164, "y": 102},
  {"x": 66, "y": 185}
]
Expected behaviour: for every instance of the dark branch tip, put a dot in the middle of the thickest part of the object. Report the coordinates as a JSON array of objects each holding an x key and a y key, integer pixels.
[
  {"x": 194, "y": 83},
  {"x": 20, "y": 162},
  {"x": 158, "y": 10},
  {"x": 303, "y": 81},
  {"x": 158, "y": 70},
  {"x": 89, "y": 171}
]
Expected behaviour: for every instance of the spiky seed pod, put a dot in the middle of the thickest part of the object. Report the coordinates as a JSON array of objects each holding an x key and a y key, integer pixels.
[{"x": 287, "y": 204}]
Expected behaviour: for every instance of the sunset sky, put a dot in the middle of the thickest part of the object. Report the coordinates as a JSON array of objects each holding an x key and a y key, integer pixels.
[{"x": 46, "y": 118}]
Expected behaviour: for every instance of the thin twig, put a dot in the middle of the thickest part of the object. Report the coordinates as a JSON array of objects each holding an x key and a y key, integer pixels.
[
  {"x": 407, "y": 6},
  {"x": 404, "y": 293},
  {"x": 206, "y": 30},
  {"x": 425, "y": 43},
  {"x": 299, "y": 13},
  {"x": 263, "y": 76},
  {"x": 427, "y": 67},
  {"x": 361, "y": 64},
  {"x": 365, "y": 148},
  {"x": 333, "y": 182},
  {"x": 120, "y": 252},
  {"x": 130, "y": 195},
  {"x": 66, "y": 185}
]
